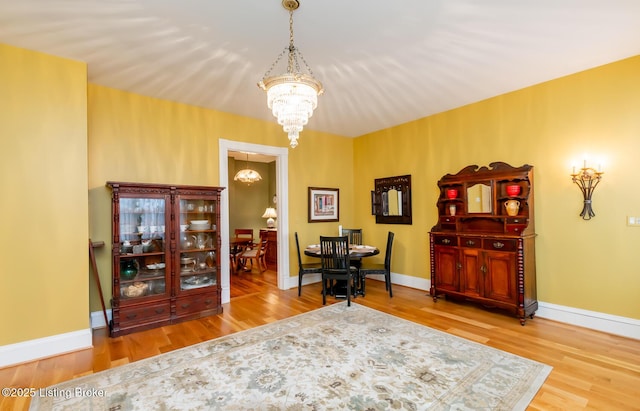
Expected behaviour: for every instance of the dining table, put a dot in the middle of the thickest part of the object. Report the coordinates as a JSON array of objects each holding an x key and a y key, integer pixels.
[{"x": 355, "y": 251}]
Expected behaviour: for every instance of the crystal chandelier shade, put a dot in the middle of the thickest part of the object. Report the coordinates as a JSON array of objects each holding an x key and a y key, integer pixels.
[{"x": 292, "y": 96}]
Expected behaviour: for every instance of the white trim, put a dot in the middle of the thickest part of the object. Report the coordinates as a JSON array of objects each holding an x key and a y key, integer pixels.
[
  {"x": 399, "y": 279},
  {"x": 612, "y": 324},
  {"x": 97, "y": 319},
  {"x": 13, "y": 354},
  {"x": 282, "y": 194}
]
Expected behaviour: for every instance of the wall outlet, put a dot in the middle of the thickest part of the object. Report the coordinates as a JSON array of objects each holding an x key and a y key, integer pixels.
[{"x": 633, "y": 221}]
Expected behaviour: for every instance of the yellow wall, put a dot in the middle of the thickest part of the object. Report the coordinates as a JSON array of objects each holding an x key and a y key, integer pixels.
[
  {"x": 43, "y": 205},
  {"x": 583, "y": 264},
  {"x": 48, "y": 162},
  {"x": 142, "y": 139}
]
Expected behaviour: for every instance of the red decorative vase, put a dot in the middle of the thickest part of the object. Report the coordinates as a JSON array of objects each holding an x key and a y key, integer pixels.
[
  {"x": 513, "y": 190},
  {"x": 452, "y": 193}
]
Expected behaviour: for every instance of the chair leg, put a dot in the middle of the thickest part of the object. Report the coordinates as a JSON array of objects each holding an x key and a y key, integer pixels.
[
  {"x": 387, "y": 278},
  {"x": 349, "y": 293},
  {"x": 299, "y": 283},
  {"x": 324, "y": 292}
]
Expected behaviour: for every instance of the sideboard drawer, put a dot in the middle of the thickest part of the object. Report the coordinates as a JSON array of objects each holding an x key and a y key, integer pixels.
[
  {"x": 448, "y": 240},
  {"x": 470, "y": 242},
  {"x": 500, "y": 244}
]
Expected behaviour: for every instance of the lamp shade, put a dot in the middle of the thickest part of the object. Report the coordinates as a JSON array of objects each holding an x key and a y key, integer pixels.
[{"x": 270, "y": 214}]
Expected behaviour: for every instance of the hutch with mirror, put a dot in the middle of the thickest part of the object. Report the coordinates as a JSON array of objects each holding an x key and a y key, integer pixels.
[
  {"x": 482, "y": 248},
  {"x": 165, "y": 255}
]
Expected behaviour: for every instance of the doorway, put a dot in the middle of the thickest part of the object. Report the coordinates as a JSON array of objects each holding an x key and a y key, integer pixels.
[{"x": 282, "y": 197}]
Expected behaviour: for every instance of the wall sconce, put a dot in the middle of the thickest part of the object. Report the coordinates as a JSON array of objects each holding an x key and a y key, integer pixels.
[{"x": 587, "y": 178}]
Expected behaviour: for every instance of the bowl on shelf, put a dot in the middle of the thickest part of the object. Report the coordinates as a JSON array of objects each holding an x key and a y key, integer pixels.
[
  {"x": 513, "y": 189},
  {"x": 183, "y": 227},
  {"x": 199, "y": 225},
  {"x": 452, "y": 193},
  {"x": 137, "y": 289}
]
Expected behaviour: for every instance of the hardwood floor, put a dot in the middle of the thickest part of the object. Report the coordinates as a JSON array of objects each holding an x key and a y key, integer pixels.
[{"x": 591, "y": 370}]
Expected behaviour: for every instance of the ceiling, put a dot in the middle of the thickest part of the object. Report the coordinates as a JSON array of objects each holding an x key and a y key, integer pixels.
[{"x": 382, "y": 63}]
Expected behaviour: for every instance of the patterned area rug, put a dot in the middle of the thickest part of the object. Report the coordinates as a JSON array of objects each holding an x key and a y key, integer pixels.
[{"x": 333, "y": 358}]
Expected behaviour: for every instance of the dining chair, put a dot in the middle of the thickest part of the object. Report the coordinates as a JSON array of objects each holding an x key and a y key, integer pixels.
[
  {"x": 354, "y": 234},
  {"x": 237, "y": 250},
  {"x": 305, "y": 268},
  {"x": 384, "y": 269},
  {"x": 336, "y": 265},
  {"x": 256, "y": 252},
  {"x": 355, "y": 238}
]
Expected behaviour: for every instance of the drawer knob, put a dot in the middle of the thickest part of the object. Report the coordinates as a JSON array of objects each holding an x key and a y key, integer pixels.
[
  {"x": 131, "y": 316},
  {"x": 185, "y": 305},
  {"x": 159, "y": 310},
  {"x": 446, "y": 241},
  {"x": 498, "y": 244},
  {"x": 471, "y": 242}
]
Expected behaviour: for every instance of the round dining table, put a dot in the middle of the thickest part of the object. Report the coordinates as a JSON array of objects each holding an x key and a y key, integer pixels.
[{"x": 355, "y": 251}]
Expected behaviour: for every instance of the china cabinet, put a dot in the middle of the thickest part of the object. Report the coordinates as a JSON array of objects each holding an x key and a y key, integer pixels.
[
  {"x": 482, "y": 248},
  {"x": 165, "y": 259}
]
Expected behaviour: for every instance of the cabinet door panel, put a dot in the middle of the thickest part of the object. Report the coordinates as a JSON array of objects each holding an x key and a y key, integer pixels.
[
  {"x": 500, "y": 276},
  {"x": 470, "y": 277},
  {"x": 446, "y": 268}
]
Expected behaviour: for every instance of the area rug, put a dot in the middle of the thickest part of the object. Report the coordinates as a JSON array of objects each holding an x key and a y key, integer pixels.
[{"x": 333, "y": 358}]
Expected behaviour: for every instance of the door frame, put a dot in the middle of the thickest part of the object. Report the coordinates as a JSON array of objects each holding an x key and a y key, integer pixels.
[{"x": 282, "y": 194}]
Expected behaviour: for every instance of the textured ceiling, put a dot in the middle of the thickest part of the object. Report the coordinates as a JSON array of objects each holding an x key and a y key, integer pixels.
[{"x": 381, "y": 62}]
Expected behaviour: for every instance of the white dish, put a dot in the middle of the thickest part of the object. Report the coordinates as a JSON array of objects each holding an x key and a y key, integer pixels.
[{"x": 199, "y": 222}]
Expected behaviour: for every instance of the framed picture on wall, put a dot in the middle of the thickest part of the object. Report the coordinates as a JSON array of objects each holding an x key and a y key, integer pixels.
[{"x": 324, "y": 204}]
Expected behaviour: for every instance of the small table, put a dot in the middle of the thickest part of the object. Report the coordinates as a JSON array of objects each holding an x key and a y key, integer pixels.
[{"x": 355, "y": 251}]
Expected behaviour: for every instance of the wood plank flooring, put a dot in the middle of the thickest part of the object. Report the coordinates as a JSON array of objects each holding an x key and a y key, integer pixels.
[{"x": 591, "y": 370}]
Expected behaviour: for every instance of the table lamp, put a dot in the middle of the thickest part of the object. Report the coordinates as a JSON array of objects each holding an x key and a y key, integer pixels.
[{"x": 270, "y": 214}]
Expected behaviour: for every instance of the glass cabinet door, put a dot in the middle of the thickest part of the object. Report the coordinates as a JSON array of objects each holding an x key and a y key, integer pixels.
[
  {"x": 142, "y": 257},
  {"x": 197, "y": 243}
]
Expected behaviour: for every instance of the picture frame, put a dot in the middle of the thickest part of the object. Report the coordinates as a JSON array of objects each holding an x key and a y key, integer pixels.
[{"x": 324, "y": 205}]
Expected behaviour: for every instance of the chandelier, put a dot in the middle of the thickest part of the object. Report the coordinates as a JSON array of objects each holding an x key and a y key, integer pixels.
[
  {"x": 292, "y": 96},
  {"x": 247, "y": 175}
]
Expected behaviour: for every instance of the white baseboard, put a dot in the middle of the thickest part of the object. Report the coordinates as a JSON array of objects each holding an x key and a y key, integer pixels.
[
  {"x": 612, "y": 324},
  {"x": 400, "y": 279},
  {"x": 97, "y": 319},
  {"x": 13, "y": 354},
  {"x": 77, "y": 340}
]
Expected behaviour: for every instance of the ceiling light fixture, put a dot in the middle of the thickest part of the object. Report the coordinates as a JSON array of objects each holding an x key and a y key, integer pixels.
[
  {"x": 292, "y": 96},
  {"x": 247, "y": 175}
]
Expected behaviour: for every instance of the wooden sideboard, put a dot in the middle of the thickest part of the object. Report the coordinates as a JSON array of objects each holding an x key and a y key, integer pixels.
[
  {"x": 272, "y": 248},
  {"x": 482, "y": 248}
]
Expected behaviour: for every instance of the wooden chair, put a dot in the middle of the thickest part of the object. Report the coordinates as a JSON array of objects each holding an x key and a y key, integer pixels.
[
  {"x": 354, "y": 234},
  {"x": 383, "y": 269},
  {"x": 236, "y": 251},
  {"x": 355, "y": 238},
  {"x": 256, "y": 252},
  {"x": 336, "y": 265},
  {"x": 305, "y": 268}
]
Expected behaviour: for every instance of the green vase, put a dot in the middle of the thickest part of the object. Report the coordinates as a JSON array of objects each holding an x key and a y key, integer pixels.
[{"x": 128, "y": 270}]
